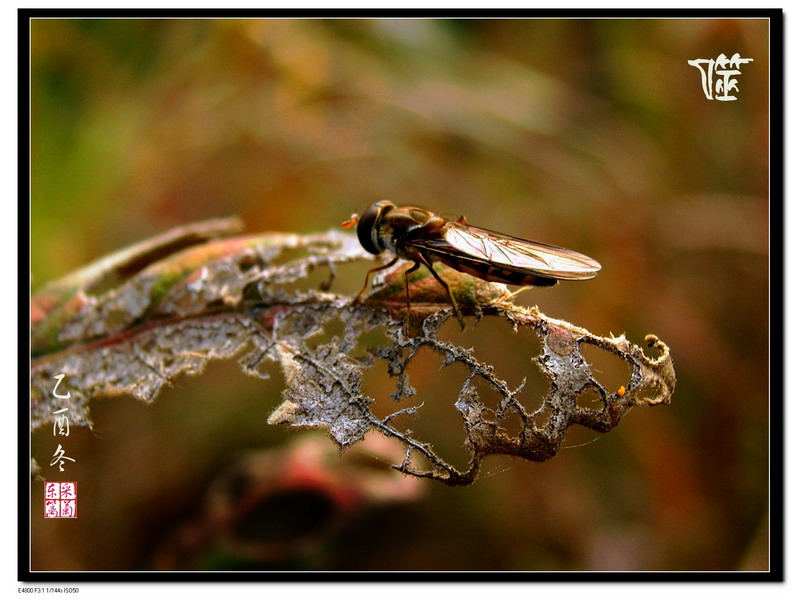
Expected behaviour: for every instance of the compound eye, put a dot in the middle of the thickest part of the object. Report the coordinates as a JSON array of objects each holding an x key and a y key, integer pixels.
[{"x": 368, "y": 225}]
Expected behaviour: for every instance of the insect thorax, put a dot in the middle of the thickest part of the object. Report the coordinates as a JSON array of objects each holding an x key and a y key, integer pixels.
[{"x": 403, "y": 224}]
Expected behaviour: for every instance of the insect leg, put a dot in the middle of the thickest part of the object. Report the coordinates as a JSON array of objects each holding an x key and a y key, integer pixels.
[
  {"x": 447, "y": 287},
  {"x": 408, "y": 296},
  {"x": 370, "y": 272}
]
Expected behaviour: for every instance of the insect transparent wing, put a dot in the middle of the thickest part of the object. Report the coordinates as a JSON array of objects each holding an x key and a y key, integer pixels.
[{"x": 520, "y": 255}]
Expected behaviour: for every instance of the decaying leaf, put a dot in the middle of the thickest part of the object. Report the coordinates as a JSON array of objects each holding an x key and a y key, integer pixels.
[{"x": 135, "y": 321}]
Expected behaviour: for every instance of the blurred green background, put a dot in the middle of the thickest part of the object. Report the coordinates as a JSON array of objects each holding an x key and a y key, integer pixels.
[{"x": 589, "y": 134}]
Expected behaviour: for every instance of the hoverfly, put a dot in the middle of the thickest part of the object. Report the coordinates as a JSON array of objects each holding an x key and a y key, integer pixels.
[{"x": 423, "y": 237}]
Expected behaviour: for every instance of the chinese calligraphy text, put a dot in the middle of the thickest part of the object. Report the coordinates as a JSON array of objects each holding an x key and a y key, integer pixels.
[{"x": 718, "y": 75}]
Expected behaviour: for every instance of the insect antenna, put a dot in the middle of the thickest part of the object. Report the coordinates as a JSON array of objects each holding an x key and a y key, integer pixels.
[{"x": 350, "y": 222}]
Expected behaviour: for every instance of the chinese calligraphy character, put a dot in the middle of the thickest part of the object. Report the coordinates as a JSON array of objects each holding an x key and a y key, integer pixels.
[
  {"x": 59, "y": 378},
  {"x": 52, "y": 509},
  {"x": 717, "y": 75},
  {"x": 61, "y": 423},
  {"x": 68, "y": 490},
  {"x": 58, "y": 457},
  {"x": 52, "y": 490},
  {"x": 68, "y": 508}
]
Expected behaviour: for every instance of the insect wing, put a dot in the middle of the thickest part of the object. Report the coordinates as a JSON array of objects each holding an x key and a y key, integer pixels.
[{"x": 519, "y": 255}]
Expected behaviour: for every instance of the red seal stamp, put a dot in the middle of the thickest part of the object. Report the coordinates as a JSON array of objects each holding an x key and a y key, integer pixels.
[{"x": 60, "y": 499}]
